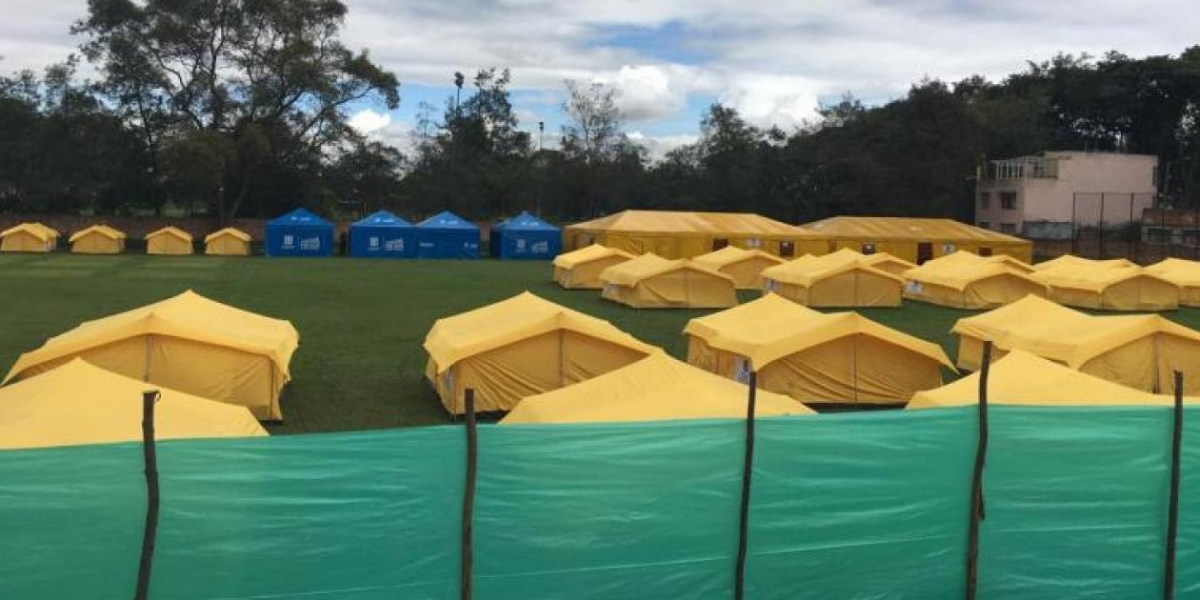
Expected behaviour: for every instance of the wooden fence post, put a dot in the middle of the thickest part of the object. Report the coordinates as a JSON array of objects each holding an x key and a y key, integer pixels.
[
  {"x": 150, "y": 458},
  {"x": 1173, "y": 506},
  {"x": 739, "y": 581},
  {"x": 981, "y": 448},
  {"x": 468, "y": 507}
]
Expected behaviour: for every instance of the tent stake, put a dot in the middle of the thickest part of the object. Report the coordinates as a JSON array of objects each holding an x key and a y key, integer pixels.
[
  {"x": 151, "y": 464},
  {"x": 1173, "y": 507},
  {"x": 739, "y": 581},
  {"x": 977, "y": 513},
  {"x": 468, "y": 507}
]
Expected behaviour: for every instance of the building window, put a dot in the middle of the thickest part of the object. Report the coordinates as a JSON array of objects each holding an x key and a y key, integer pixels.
[
  {"x": 719, "y": 243},
  {"x": 868, "y": 248},
  {"x": 1008, "y": 228},
  {"x": 985, "y": 200},
  {"x": 985, "y": 251},
  {"x": 1158, "y": 235},
  {"x": 985, "y": 225},
  {"x": 1008, "y": 201},
  {"x": 787, "y": 249}
]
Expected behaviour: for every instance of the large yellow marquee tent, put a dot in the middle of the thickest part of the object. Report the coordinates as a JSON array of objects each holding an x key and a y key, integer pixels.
[
  {"x": 97, "y": 239},
  {"x": 27, "y": 237},
  {"x": 78, "y": 403},
  {"x": 1070, "y": 260},
  {"x": 887, "y": 263},
  {"x": 672, "y": 234},
  {"x": 814, "y": 357},
  {"x": 169, "y": 240},
  {"x": 227, "y": 242},
  {"x": 1102, "y": 286},
  {"x": 1139, "y": 351},
  {"x": 654, "y": 388},
  {"x": 520, "y": 347},
  {"x": 1021, "y": 378},
  {"x": 964, "y": 280},
  {"x": 581, "y": 269},
  {"x": 188, "y": 343},
  {"x": 744, "y": 266},
  {"x": 651, "y": 281},
  {"x": 1183, "y": 273},
  {"x": 916, "y": 240},
  {"x": 841, "y": 279}
]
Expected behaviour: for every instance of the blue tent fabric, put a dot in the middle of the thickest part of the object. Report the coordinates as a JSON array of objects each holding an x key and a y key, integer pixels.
[
  {"x": 383, "y": 235},
  {"x": 525, "y": 237},
  {"x": 299, "y": 233},
  {"x": 447, "y": 235}
]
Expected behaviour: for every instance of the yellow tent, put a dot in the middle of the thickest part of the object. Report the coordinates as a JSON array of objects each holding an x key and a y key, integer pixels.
[
  {"x": 651, "y": 281},
  {"x": 169, "y": 240},
  {"x": 1182, "y": 273},
  {"x": 79, "y": 403},
  {"x": 655, "y": 388},
  {"x": 814, "y": 357},
  {"x": 519, "y": 347},
  {"x": 581, "y": 269},
  {"x": 188, "y": 343},
  {"x": 1071, "y": 260},
  {"x": 964, "y": 280},
  {"x": 744, "y": 266},
  {"x": 1140, "y": 351},
  {"x": 97, "y": 239},
  {"x": 227, "y": 242},
  {"x": 680, "y": 234},
  {"x": 841, "y": 279},
  {"x": 26, "y": 237},
  {"x": 49, "y": 230},
  {"x": 887, "y": 263},
  {"x": 1108, "y": 287},
  {"x": 1027, "y": 379},
  {"x": 916, "y": 240}
]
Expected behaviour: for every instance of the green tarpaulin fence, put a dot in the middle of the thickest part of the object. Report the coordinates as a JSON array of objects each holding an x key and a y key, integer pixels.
[{"x": 869, "y": 505}]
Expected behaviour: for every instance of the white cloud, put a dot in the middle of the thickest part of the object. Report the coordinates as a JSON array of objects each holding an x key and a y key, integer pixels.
[
  {"x": 772, "y": 100},
  {"x": 648, "y": 92},
  {"x": 368, "y": 121},
  {"x": 657, "y": 146}
]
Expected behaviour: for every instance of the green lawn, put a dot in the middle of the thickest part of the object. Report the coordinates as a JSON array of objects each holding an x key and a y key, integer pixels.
[{"x": 361, "y": 322}]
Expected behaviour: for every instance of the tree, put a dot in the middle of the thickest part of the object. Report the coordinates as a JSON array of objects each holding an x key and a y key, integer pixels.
[
  {"x": 270, "y": 77},
  {"x": 604, "y": 165}
]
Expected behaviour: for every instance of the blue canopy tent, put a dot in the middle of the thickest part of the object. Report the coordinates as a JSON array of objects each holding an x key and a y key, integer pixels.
[
  {"x": 383, "y": 235},
  {"x": 447, "y": 235},
  {"x": 299, "y": 233},
  {"x": 525, "y": 237}
]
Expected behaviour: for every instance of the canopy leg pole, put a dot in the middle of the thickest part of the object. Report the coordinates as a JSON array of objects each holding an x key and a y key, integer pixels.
[
  {"x": 150, "y": 457},
  {"x": 1173, "y": 506},
  {"x": 977, "y": 511},
  {"x": 468, "y": 507},
  {"x": 739, "y": 581}
]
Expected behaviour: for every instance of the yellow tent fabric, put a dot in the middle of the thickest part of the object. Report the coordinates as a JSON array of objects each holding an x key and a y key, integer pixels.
[
  {"x": 79, "y": 403},
  {"x": 916, "y": 240},
  {"x": 1139, "y": 351},
  {"x": 964, "y": 280},
  {"x": 841, "y": 279},
  {"x": 581, "y": 268},
  {"x": 887, "y": 263},
  {"x": 1183, "y": 273},
  {"x": 520, "y": 347},
  {"x": 654, "y": 388},
  {"x": 814, "y": 357},
  {"x": 26, "y": 237},
  {"x": 97, "y": 239},
  {"x": 651, "y": 281},
  {"x": 188, "y": 343},
  {"x": 673, "y": 234},
  {"x": 744, "y": 266},
  {"x": 227, "y": 242},
  {"x": 1071, "y": 260},
  {"x": 1102, "y": 286},
  {"x": 169, "y": 240},
  {"x": 1022, "y": 378}
]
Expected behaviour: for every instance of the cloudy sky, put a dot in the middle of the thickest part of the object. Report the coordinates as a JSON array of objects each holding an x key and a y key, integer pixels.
[{"x": 775, "y": 61}]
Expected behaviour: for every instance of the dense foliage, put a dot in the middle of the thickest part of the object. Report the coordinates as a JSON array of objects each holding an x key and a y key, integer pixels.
[{"x": 241, "y": 107}]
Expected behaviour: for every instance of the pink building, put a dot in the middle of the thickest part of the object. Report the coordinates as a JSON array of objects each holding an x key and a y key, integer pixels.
[{"x": 1042, "y": 196}]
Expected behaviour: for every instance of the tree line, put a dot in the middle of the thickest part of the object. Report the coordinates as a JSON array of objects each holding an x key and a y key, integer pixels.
[{"x": 241, "y": 108}]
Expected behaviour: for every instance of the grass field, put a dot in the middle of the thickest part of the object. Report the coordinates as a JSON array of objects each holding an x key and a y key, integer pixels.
[{"x": 361, "y": 322}]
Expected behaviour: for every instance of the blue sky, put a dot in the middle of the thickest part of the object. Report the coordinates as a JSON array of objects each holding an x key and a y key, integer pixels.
[{"x": 667, "y": 60}]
